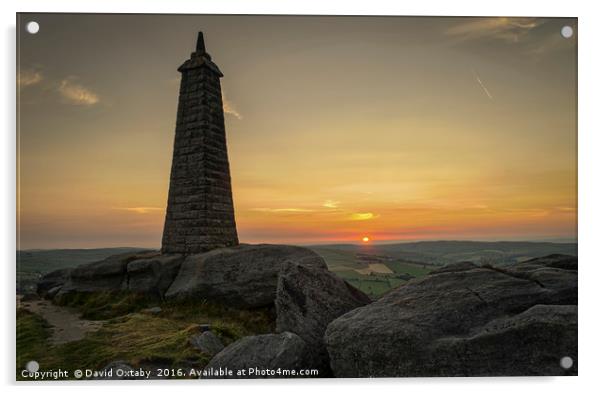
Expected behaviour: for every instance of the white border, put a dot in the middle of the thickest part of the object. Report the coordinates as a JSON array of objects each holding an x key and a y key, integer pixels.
[{"x": 590, "y": 196}]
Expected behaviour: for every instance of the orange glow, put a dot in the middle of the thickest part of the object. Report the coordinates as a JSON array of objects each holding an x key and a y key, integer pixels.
[{"x": 403, "y": 144}]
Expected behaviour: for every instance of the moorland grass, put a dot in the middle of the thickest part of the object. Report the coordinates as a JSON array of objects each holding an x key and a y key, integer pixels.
[{"x": 133, "y": 335}]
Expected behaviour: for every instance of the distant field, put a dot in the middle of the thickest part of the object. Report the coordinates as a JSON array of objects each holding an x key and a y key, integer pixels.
[
  {"x": 416, "y": 270},
  {"x": 376, "y": 268},
  {"x": 339, "y": 259},
  {"x": 359, "y": 264},
  {"x": 373, "y": 274}
]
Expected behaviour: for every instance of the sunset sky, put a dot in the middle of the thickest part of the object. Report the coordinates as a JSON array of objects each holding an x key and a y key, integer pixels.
[{"x": 395, "y": 128}]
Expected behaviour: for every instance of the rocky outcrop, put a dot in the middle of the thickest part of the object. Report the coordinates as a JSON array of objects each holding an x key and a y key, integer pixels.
[
  {"x": 530, "y": 343},
  {"x": 109, "y": 274},
  {"x": 52, "y": 282},
  {"x": 244, "y": 276},
  {"x": 147, "y": 273},
  {"x": 460, "y": 320},
  {"x": 53, "y": 292},
  {"x": 560, "y": 261},
  {"x": 455, "y": 267},
  {"x": 309, "y": 298},
  {"x": 265, "y": 354},
  {"x": 465, "y": 320},
  {"x": 154, "y": 275},
  {"x": 206, "y": 342}
]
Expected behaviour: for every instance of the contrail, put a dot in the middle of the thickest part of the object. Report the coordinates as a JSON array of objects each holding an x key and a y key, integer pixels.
[{"x": 482, "y": 85}]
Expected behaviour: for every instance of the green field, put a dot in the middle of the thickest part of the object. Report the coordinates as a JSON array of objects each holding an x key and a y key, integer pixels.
[
  {"x": 413, "y": 269},
  {"x": 336, "y": 258},
  {"x": 375, "y": 285},
  {"x": 345, "y": 264}
]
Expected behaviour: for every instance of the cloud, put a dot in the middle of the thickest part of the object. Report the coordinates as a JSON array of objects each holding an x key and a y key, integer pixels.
[
  {"x": 363, "y": 216},
  {"x": 282, "y": 210},
  {"x": 229, "y": 107},
  {"x": 77, "y": 94},
  {"x": 506, "y": 29},
  {"x": 28, "y": 78},
  {"x": 331, "y": 204},
  {"x": 566, "y": 209},
  {"x": 140, "y": 210}
]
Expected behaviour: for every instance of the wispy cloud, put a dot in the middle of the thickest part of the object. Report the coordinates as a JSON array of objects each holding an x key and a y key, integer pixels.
[
  {"x": 74, "y": 93},
  {"x": 363, "y": 216},
  {"x": 506, "y": 29},
  {"x": 331, "y": 204},
  {"x": 140, "y": 210},
  {"x": 566, "y": 209},
  {"x": 229, "y": 107},
  {"x": 282, "y": 210},
  {"x": 29, "y": 78}
]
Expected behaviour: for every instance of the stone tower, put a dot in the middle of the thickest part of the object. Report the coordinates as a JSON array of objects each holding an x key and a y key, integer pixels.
[{"x": 200, "y": 213}]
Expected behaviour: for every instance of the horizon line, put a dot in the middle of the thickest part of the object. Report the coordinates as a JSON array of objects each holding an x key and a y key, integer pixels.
[{"x": 558, "y": 240}]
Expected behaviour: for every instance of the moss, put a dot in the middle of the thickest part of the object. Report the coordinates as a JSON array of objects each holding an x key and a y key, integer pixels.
[
  {"x": 105, "y": 305},
  {"x": 138, "y": 339},
  {"x": 233, "y": 322},
  {"x": 228, "y": 323}
]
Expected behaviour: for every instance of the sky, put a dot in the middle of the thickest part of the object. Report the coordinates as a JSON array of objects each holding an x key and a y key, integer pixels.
[{"x": 338, "y": 128}]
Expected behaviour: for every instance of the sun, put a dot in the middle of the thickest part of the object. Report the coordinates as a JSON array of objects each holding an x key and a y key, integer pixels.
[{"x": 366, "y": 239}]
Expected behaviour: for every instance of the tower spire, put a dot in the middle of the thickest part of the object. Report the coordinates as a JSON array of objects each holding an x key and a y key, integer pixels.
[{"x": 200, "y": 43}]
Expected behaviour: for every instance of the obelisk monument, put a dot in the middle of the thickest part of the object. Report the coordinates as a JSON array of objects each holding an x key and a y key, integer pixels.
[{"x": 200, "y": 212}]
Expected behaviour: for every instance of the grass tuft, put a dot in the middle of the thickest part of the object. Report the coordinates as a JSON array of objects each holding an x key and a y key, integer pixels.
[
  {"x": 141, "y": 339},
  {"x": 104, "y": 305}
]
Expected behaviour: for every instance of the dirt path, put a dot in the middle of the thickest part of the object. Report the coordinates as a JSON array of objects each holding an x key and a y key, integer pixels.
[{"x": 66, "y": 324}]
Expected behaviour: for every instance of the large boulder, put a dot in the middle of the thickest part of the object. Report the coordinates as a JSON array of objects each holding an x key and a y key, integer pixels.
[
  {"x": 465, "y": 321},
  {"x": 52, "y": 282},
  {"x": 243, "y": 276},
  {"x": 453, "y": 267},
  {"x": 109, "y": 274},
  {"x": 153, "y": 276},
  {"x": 262, "y": 356},
  {"x": 206, "y": 342},
  {"x": 308, "y": 299},
  {"x": 552, "y": 261},
  {"x": 530, "y": 343}
]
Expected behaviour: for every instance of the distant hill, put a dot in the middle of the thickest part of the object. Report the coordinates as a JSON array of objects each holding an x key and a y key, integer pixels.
[
  {"x": 445, "y": 252},
  {"x": 377, "y": 268},
  {"x": 33, "y": 263}
]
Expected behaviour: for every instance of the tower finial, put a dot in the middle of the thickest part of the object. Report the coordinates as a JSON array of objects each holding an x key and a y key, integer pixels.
[{"x": 200, "y": 43}]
